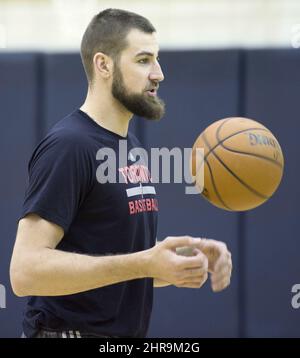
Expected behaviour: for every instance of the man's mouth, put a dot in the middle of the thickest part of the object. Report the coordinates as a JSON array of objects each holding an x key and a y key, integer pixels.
[{"x": 152, "y": 92}]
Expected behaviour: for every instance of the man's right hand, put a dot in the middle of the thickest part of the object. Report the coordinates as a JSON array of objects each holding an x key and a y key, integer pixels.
[{"x": 181, "y": 271}]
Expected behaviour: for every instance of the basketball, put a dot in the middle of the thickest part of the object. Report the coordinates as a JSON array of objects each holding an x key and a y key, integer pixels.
[{"x": 243, "y": 163}]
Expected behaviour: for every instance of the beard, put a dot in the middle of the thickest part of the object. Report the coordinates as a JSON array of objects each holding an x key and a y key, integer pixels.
[{"x": 142, "y": 105}]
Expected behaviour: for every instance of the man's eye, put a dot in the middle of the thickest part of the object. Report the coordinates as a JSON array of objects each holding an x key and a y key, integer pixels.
[{"x": 144, "y": 60}]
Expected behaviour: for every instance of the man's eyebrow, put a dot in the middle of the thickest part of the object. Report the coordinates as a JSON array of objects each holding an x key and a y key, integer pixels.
[{"x": 144, "y": 53}]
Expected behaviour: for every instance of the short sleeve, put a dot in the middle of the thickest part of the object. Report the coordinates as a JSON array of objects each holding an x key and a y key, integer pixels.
[{"x": 60, "y": 176}]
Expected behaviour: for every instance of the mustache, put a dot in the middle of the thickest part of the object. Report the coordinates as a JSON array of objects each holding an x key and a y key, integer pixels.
[{"x": 153, "y": 86}]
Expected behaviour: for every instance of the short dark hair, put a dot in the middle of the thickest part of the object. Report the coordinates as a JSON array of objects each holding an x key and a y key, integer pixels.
[{"x": 107, "y": 32}]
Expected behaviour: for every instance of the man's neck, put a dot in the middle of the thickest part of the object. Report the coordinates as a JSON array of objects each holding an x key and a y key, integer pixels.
[{"x": 107, "y": 112}]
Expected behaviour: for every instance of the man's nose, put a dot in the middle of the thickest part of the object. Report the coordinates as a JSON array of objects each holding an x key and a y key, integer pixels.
[{"x": 156, "y": 73}]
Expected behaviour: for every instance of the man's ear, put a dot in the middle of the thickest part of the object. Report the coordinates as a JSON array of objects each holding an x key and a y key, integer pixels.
[{"x": 103, "y": 65}]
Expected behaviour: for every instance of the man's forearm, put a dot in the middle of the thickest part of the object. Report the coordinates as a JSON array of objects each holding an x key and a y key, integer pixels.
[
  {"x": 156, "y": 281},
  {"x": 50, "y": 272},
  {"x": 160, "y": 283}
]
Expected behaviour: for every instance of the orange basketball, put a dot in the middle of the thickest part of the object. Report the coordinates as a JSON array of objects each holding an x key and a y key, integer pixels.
[{"x": 243, "y": 163}]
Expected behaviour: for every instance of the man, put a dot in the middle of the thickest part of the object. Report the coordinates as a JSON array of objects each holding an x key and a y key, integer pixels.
[{"x": 87, "y": 260}]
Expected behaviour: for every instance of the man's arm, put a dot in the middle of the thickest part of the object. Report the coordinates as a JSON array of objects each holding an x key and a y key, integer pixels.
[
  {"x": 39, "y": 269},
  {"x": 160, "y": 283},
  {"x": 156, "y": 281}
]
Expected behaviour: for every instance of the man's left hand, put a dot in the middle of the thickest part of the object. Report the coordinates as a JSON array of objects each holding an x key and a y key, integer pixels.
[{"x": 219, "y": 263}]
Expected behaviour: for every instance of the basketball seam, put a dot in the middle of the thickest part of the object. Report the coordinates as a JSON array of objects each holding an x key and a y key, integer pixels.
[
  {"x": 234, "y": 175},
  {"x": 253, "y": 155},
  {"x": 221, "y": 141},
  {"x": 231, "y": 135},
  {"x": 215, "y": 187}
]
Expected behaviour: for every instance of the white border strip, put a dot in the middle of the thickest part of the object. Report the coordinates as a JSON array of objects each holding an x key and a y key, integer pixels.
[{"x": 140, "y": 190}]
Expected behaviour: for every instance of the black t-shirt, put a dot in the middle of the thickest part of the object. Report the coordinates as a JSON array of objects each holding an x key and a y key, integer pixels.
[{"x": 97, "y": 219}]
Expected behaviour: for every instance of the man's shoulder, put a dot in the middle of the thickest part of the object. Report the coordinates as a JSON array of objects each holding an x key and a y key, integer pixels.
[
  {"x": 63, "y": 140},
  {"x": 63, "y": 144},
  {"x": 68, "y": 130},
  {"x": 67, "y": 136}
]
